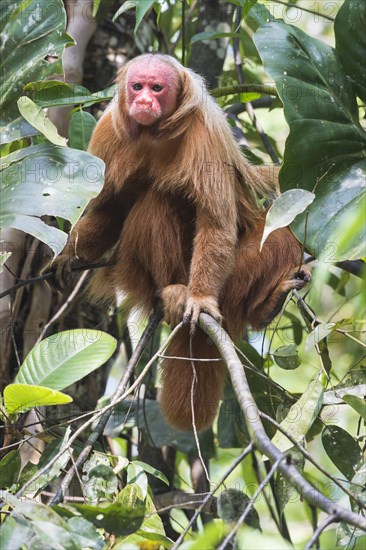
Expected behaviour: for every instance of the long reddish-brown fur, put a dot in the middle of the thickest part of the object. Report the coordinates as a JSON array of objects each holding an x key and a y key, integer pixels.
[{"x": 179, "y": 210}]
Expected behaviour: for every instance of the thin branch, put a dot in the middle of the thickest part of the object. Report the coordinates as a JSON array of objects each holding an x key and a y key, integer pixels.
[
  {"x": 250, "y": 504},
  {"x": 64, "y": 306},
  {"x": 318, "y": 531},
  {"x": 209, "y": 495},
  {"x": 263, "y": 89},
  {"x": 248, "y": 107},
  {"x": 49, "y": 275},
  {"x": 98, "y": 430},
  {"x": 257, "y": 432},
  {"x": 194, "y": 382},
  {"x": 305, "y": 9}
]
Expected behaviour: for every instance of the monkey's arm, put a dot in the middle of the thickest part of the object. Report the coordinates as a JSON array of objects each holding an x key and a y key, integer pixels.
[{"x": 212, "y": 263}]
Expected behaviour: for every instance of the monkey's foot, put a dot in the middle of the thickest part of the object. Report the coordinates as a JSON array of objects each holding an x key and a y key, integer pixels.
[
  {"x": 302, "y": 277},
  {"x": 174, "y": 301},
  {"x": 196, "y": 305}
]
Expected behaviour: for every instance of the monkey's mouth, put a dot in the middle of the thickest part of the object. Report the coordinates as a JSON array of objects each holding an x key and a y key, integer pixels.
[{"x": 145, "y": 116}]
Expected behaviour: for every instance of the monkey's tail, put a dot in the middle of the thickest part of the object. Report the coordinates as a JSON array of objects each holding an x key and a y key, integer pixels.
[{"x": 178, "y": 375}]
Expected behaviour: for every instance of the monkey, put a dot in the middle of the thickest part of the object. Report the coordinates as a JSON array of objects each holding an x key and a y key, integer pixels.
[{"x": 180, "y": 216}]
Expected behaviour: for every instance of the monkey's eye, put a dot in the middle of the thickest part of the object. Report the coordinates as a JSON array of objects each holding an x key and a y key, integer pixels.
[
  {"x": 157, "y": 88},
  {"x": 137, "y": 86}
]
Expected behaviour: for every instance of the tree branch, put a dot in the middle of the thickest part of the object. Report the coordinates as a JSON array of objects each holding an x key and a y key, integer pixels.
[{"x": 258, "y": 434}]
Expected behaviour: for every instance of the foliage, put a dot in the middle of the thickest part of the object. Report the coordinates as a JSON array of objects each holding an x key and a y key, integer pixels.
[
  {"x": 303, "y": 372},
  {"x": 33, "y": 170}
]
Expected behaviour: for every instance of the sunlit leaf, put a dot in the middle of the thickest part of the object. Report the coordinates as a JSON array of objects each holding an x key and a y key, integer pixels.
[
  {"x": 64, "y": 358},
  {"x": 23, "y": 397}
]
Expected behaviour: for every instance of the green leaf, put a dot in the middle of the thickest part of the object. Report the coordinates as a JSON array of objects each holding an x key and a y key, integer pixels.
[
  {"x": 23, "y": 397},
  {"x": 283, "y": 487},
  {"x": 55, "y": 470},
  {"x": 10, "y": 466},
  {"x": 141, "y": 6},
  {"x": 351, "y": 22},
  {"x": 70, "y": 534},
  {"x": 114, "y": 518},
  {"x": 4, "y": 256},
  {"x": 81, "y": 128},
  {"x": 358, "y": 404},
  {"x": 38, "y": 118},
  {"x": 285, "y": 209},
  {"x": 287, "y": 357},
  {"x": 54, "y": 93},
  {"x": 326, "y": 148},
  {"x": 212, "y": 35},
  {"x": 257, "y": 15},
  {"x": 152, "y": 471},
  {"x": 15, "y": 533},
  {"x": 64, "y": 358},
  {"x": 301, "y": 415},
  {"x": 231, "y": 504},
  {"x": 342, "y": 449},
  {"x": 31, "y": 32},
  {"x": 41, "y": 177},
  {"x": 137, "y": 476},
  {"x": 320, "y": 332},
  {"x": 96, "y": 4},
  {"x": 16, "y": 129}
]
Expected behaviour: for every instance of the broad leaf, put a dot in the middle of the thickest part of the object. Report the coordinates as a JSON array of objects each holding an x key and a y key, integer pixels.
[
  {"x": 114, "y": 518},
  {"x": 23, "y": 397},
  {"x": 342, "y": 449},
  {"x": 137, "y": 476},
  {"x": 38, "y": 118},
  {"x": 63, "y": 359},
  {"x": 285, "y": 209},
  {"x": 16, "y": 129},
  {"x": 152, "y": 471},
  {"x": 72, "y": 533},
  {"x": 301, "y": 415},
  {"x": 231, "y": 504},
  {"x": 326, "y": 148},
  {"x": 212, "y": 35},
  {"x": 41, "y": 177},
  {"x": 81, "y": 128},
  {"x": 320, "y": 332},
  {"x": 358, "y": 404},
  {"x": 141, "y": 7},
  {"x": 31, "y": 32},
  {"x": 54, "y": 93},
  {"x": 287, "y": 357},
  {"x": 10, "y": 466},
  {"x": 351, "y": 22}
]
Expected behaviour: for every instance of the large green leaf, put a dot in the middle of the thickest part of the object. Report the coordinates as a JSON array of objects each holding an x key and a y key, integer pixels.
[
  {"x": 31, "y": 31},
  {"x": 326, "y": 148},
  {"x": 22, "y": 397},
  {"x": 342, "y": 449},
  {"x": 349, "y": 28},
  {"x": 38, "y": 118},
  {"x": 46, "y": 179},
  {"x": 301, "y": 415},
  {"x": 63, "y": 359}
]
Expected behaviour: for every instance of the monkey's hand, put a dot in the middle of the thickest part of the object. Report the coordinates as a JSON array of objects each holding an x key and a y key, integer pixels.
[
  {"x": 198, "y": 304},
  {"x": 62, "y": 267},
  {"x": 174, "y": 301}
]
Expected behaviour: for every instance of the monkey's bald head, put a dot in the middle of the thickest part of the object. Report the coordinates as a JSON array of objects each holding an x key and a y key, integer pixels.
[{"x": 151, "y": 89}]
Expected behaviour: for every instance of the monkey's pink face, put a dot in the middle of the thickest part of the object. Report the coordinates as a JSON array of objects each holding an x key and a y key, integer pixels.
[{"x": 151, "y": 92}]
